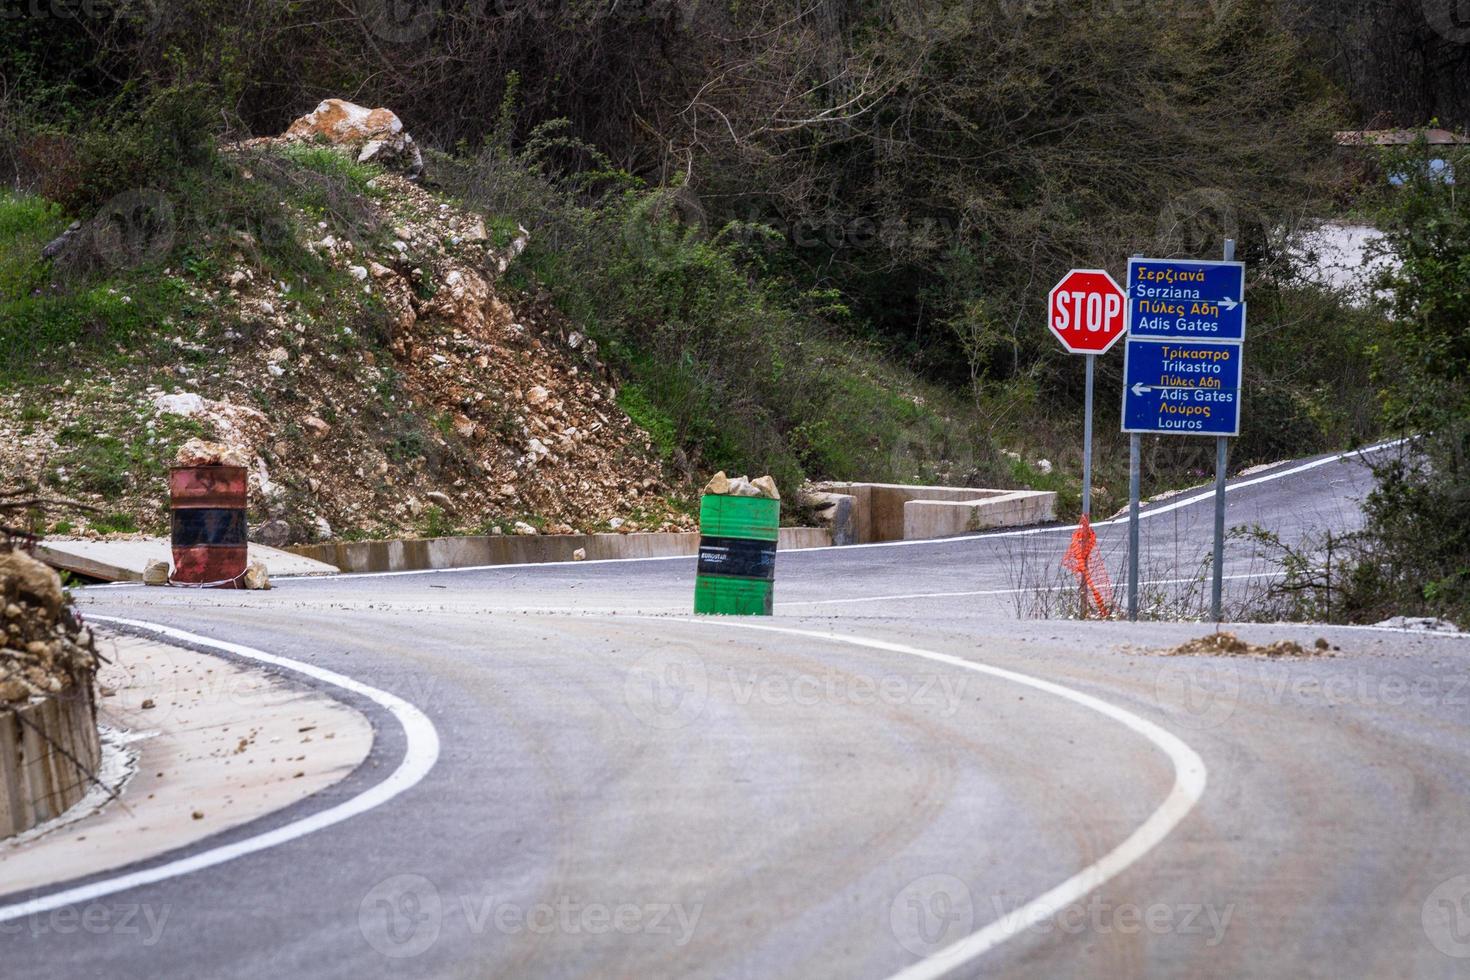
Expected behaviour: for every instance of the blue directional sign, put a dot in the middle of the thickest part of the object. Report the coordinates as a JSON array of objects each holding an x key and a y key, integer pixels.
[
  {"x": 1180, "y": 299},
  {"x": 1183, "y": 387}
]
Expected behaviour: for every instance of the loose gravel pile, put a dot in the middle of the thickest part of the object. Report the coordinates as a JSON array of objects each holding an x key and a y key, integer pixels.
[
  {"x": 44, "y": 649},
  {"x": 1224, "y": 644}
]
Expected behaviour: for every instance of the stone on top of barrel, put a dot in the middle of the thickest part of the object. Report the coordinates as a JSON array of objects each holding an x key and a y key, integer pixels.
[
  {"x": 202, "y": 452},
  {"x": 721, "y": 485}
]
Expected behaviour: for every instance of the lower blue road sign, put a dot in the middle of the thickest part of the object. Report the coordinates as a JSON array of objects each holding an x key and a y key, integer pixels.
[{"x": 1183, "y": 387}]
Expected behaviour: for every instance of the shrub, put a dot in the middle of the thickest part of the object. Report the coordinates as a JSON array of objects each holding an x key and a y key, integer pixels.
[
  {"x": 726, "y": 365},
  {"x": 158, "y": 140}
]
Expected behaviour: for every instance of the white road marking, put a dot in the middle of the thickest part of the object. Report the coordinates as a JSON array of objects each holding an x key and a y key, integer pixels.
[
  {"x": 1190, "y": 777},
  {"x": 990, "y": 592},
  {"x": 421, "y": 751},
  {"x": 1447, "y": 634}
]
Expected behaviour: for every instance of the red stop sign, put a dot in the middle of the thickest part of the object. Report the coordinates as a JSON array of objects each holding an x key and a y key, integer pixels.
[{"x": 1086, "y": 310}]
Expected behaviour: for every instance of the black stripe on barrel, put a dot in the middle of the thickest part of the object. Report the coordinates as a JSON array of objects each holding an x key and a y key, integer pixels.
[
  {"x": 208, "y": 525},
  {"x": 738, "y": 558}
]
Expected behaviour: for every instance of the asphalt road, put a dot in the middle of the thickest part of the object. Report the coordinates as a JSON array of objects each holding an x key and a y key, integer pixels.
[{"x": 895, "y": 773}]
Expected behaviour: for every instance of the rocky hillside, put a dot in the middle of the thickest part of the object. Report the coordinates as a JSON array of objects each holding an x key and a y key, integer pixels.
[{"x": 377, "y": 384}]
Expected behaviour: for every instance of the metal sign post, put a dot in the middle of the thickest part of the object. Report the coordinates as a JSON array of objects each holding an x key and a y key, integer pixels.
[
  {"x": 1222, "y": 459},
  {"x": 1134, "y": 440},
  {"x": 1087, "y": 442}
]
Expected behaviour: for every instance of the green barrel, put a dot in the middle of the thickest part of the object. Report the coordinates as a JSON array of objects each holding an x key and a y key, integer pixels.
[{"x": 737, "y": 555}]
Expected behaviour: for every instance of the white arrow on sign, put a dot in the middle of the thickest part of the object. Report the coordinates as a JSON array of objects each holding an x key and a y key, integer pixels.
[
  {"x": 1140, "y": 389},
  {"x": 1226, "y": 302}
]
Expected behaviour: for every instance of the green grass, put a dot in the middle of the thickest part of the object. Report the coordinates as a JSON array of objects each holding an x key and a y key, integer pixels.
[
  {"x": 115, "y": 523},
  {"x": 52, "y": 312},
  {"x": 434, "y": 523},
  {"x": 331, "y": 162},
  {"x": 39, "y": 334},
  {"x": 1066, "y": 486},
  {"x": 502, "y": 230},
  {"x": 635, "y": 402},
  {"x": 95, "y": 462},
  {"x": 111, "y": 466}
]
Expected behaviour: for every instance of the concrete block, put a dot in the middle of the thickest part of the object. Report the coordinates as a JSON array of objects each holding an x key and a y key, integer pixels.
[
  {"x": 928, "y": 519},
  {"x": 881, "y": 511},
  {"x": 838, "y": 513}
]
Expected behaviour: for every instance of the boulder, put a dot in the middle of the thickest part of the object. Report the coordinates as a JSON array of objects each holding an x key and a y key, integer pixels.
[
  {"x": 835, "y": 511},
  {"x": 462, "y": 299},
  {"x": 721, "y": 485},
  {"x": 155, "y": 573},
  {"x": 377, "y": 135},
  {"x": 61, "y": 243},
  {"x": 24, "y": 577},
  {"x": 274, "y": 533},
  {"x": 256, "y": 576},
  {"x": 767, "y": 487},
  {"x": 201, "y": 452},
  {"x": 179, "y": 403}
]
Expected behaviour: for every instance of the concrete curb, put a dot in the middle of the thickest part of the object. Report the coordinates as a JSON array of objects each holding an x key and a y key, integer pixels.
[
  {"x": 48, "y": 749},
  {"x": 497, "y": 549}
]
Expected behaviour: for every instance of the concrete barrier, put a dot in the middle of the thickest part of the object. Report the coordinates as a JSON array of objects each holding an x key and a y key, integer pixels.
[
  {"x": 886, "y": 512},
  {"x": 924, "y": 519},
  {"x": 48, "y": 748},
  {"x": 505, "y": 549}
]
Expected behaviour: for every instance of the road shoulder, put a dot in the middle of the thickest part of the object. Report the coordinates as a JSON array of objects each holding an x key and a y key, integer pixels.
[{"x": 208, "y": 744}]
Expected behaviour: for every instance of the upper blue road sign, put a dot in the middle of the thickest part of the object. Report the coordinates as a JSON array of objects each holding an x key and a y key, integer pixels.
[{"x": 1184, "y": 299}]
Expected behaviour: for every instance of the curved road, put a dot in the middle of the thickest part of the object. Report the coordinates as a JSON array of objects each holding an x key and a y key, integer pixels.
[{"x": 894, "y": 776}]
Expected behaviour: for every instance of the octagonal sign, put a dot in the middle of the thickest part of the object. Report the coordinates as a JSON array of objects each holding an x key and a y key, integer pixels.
[{"x": 1086, "y": 311}]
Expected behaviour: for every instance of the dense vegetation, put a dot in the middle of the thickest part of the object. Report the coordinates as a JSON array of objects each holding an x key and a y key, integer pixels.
[
  {"x": 1416, "y": 553},
  {"x": 813, "y": 239}
]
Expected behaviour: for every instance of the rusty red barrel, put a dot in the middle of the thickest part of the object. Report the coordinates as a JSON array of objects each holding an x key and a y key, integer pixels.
[{"x": 208, "y": 504}]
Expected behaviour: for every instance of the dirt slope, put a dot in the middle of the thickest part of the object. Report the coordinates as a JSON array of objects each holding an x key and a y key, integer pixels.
[{"x": 409, "y": 397}]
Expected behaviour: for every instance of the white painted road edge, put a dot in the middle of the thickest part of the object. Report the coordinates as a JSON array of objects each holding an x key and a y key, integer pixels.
[
  {"x": 421, "y": 751},
  {"x": 1190, "y": 777},
  {"x": 995, "y": 592}
]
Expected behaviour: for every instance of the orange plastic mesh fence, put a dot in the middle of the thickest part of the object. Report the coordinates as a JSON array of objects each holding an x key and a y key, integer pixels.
[{"x": 1084, "y": 561}]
